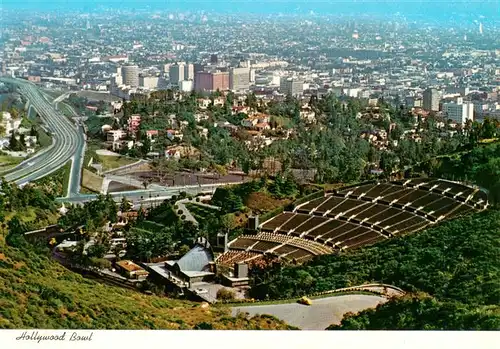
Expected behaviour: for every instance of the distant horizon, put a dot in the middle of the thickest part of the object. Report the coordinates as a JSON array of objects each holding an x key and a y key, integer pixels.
[{"x": 432, "y": 10}]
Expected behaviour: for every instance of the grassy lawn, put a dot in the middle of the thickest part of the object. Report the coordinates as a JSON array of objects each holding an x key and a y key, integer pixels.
[
  {"x": 91, "y": 181},
  {"x": 112, "y": 162},
  {"x": 201, "y": 212},
  {"x": 107, "y": 162},
  {"x": 65, "y": 109},
  {"x": 8, "y": 162}
]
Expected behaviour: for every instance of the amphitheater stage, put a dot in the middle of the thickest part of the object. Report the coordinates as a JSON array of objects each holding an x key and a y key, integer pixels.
[{"x": 322, "y": 313}]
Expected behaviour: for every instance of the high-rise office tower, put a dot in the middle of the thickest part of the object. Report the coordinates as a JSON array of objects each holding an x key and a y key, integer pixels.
[
  {"x": 176, "y": 73},
  {"x": 481, "y": 28},
  {"x": 207, "y": 81},
  {"x": 239, "y": 79},
  {"x": 130, "y": 75},
  {"x": 291, "y": 86},
  {"x": 188, "y": 72},
  {"x": 431, "y": 99}
]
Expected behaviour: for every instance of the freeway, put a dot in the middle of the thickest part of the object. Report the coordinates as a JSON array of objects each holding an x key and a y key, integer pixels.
[{"x": 68, "y": 142}]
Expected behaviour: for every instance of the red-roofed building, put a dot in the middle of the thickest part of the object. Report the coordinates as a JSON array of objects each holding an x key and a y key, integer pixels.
[{"x": 151, "y": 134}]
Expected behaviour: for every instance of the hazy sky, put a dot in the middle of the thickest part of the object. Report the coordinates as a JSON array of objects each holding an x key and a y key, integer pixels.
[{"x": 433, "y": 8}]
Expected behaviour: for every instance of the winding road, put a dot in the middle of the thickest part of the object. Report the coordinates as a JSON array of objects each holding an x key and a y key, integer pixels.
[{"x": 68, "y": 142}]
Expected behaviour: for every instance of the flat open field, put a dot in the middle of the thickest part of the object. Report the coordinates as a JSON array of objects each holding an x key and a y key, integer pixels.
[
  {"x": 112, "y": 162},
  {"x": 322, "y": 313}
]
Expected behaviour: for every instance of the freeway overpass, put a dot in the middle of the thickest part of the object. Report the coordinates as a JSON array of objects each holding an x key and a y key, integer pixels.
[
  {"x": 68, "y": 142},
  {"x": 148, "y": 195}
]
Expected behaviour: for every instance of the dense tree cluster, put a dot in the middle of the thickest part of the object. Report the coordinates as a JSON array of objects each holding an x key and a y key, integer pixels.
[
  {"x": 480, "y": 166},
  {"x": 422, "y": 312},
  {"x": 93, "y": 214}
]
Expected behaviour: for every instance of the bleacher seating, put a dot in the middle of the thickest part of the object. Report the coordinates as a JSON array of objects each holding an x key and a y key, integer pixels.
[
  {"x": 306, "y": 208},
  {"x": 425, "y": 200},
  {"x": 296, "y": 221},
  {"x": 325, "y": 228},
  {"x": 367, "y": 242},
  {"x": 339, "y": 236},
  {"x": 241, "y": 243},
  {"x": 284, "y": 249},
  {"x": 371, "y": 213},
  {"x": 367, "y": 236},
  {"x": 298, "y": 254},
  {"x": 409, "y": 225},
  {"x": 277, "y": 221},
  {"x": 356, "y": 192},
  {"x": 263, "y": 246},
  {"x": 359, "y": 209},
  {"x": 329, "y": 204},
  {"x": 385, "y": 214},
  {"x": 402, "y": 216},
  {"x": 313, "y": 222},
  {"x": 396, "y": 195},
  {"x": 345, "y": 206},
  {"x": 381, "y": 190}
]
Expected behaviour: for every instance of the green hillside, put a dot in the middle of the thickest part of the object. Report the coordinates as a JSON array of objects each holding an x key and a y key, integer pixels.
[{"x": 36, "y": 292}]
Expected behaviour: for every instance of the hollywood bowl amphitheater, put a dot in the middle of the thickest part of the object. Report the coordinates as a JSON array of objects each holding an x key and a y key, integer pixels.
[{"x": 352, "y": 217}]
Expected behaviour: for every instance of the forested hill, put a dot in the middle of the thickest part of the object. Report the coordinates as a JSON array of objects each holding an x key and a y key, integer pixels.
[{"x": 456, "y": 263}]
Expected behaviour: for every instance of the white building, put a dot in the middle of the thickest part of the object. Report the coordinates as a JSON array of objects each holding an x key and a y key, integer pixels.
[
  {"x": 186, "y": 86},
  {"x": 459, "y": 112},
  {"x": 239, "y": 79},
  {"x": 130, "y": 75},
  {"x": 9, "y": 124},
  {"x": 149, "y": 82}
]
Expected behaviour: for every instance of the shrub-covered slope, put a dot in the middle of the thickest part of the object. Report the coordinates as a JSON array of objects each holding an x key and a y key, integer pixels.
[{"x": 36, "y": 292}]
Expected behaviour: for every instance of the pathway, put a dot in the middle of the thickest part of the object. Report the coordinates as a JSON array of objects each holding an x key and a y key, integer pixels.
[{"x": 322, "y": 313}]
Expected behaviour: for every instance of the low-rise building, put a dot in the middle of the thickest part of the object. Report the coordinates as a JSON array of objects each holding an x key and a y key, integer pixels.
[{"x": 132, "y": 270}]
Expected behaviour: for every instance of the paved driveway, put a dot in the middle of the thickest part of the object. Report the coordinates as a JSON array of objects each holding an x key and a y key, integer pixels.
[{"x": 318, "y": 316}]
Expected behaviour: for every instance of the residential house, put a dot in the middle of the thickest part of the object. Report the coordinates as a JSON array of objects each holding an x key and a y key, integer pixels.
[
  {"x": 200, "y": 116},
  {"x": 174, "y": 134},
  {"x": 307, "y": 114},
  {"x": 132, "y": 270},
  {"x": 173, "y": 154},
  {"x": 203, "y": 103},
  {"x": 115, "y": 135},
  {"x": 152, "y": 134},
  {"x": 202, "y": 131},
  {"x": 240, "y": 109},
  {"x": 9, "y": 124},
  {"x": 181, "y": 151},
  {"x": 134, "y": 121}
]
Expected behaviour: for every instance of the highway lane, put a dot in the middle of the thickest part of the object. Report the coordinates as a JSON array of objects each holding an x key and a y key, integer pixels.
[{"x": 67, "y": 142}]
